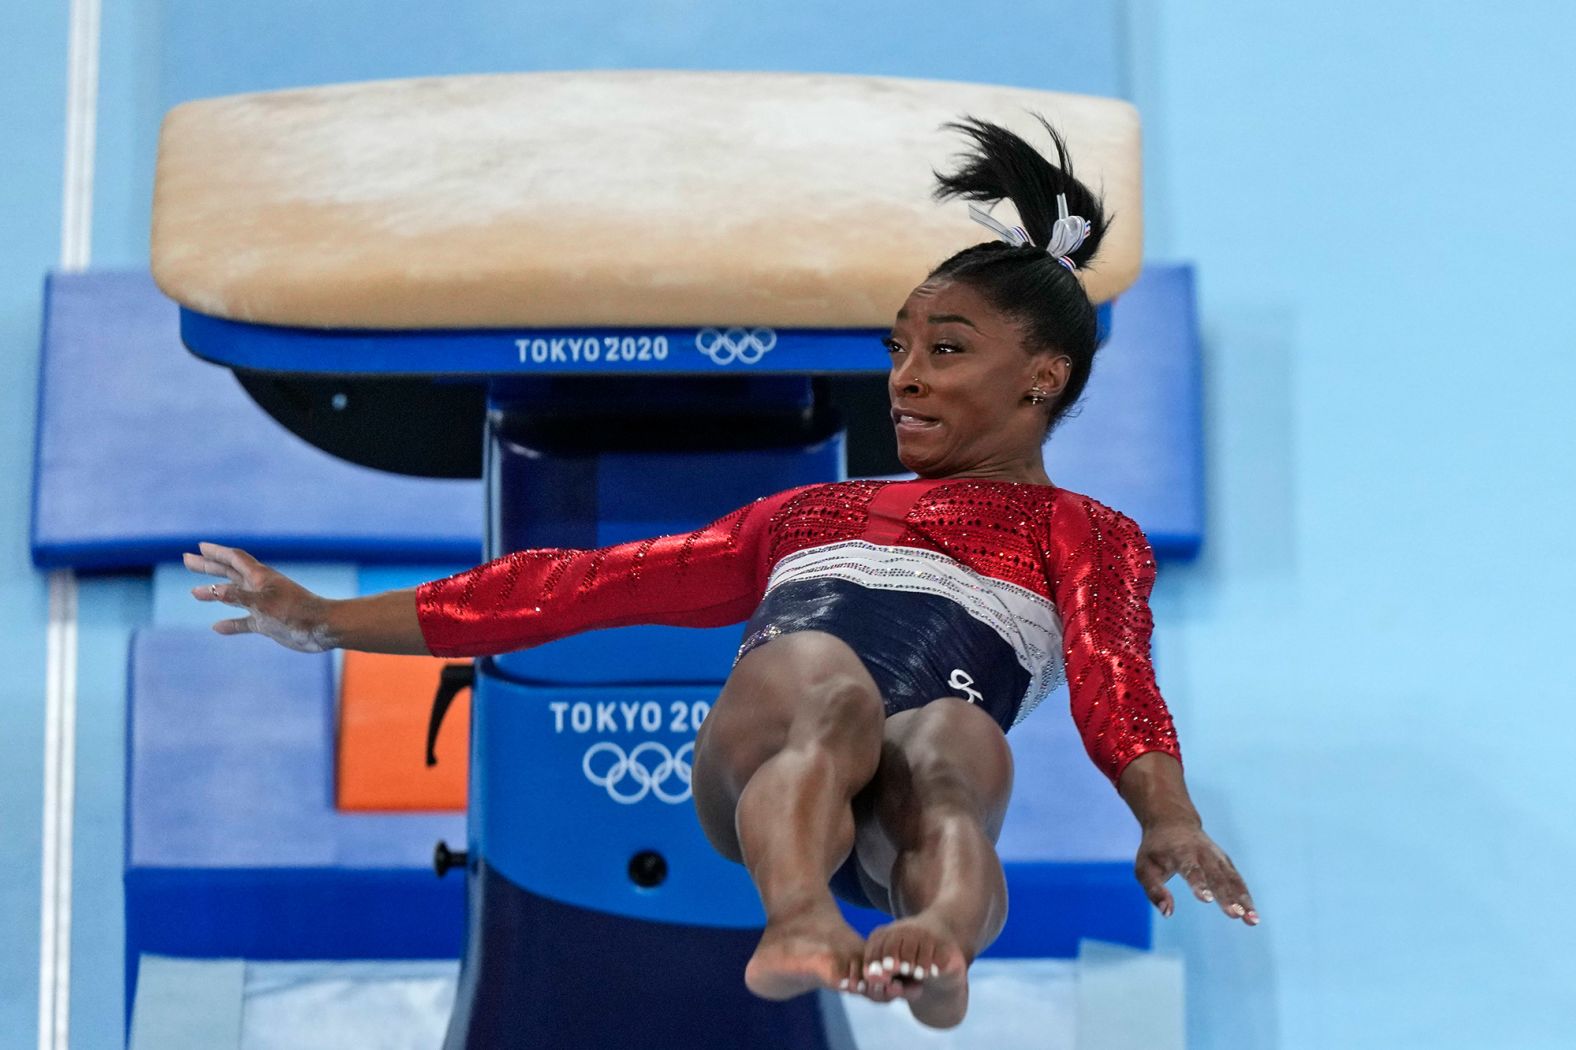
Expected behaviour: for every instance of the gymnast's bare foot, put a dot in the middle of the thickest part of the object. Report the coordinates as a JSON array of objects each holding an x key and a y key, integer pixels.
[
  {"x": 802, "y": 951},
  {"x": 918, "y": 959}
]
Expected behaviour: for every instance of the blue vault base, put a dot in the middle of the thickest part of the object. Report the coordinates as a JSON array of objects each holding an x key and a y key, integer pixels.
[{"x": 540, "y": 973}]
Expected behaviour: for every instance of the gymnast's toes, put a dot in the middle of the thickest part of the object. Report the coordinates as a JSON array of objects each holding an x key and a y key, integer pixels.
[
  {"x": 805, "y": 952},
  {"x": 919, "y": 962}
]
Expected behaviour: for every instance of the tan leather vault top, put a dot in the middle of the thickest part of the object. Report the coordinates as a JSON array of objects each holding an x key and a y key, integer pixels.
[{"x": 605, "y": 198}]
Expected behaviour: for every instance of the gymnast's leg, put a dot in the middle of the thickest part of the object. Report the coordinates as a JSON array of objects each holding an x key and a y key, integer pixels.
[
  {"x": 934, "y": 811},
  {"x": 794, "y": 735}
]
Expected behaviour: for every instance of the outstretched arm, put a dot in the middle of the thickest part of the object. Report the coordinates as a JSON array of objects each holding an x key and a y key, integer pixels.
[
  {"x": 705, "y": 578},
  {"x": 1104, "y": 573}
]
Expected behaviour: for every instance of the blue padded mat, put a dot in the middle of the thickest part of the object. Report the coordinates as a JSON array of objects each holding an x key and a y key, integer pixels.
[
  {"x": 143, "y": 449},
  {"x": 1136, "y": 441},
  {"x": 233, "y": 844}
]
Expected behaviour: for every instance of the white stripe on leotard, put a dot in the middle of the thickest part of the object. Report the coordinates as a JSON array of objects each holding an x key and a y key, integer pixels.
[{"x": 1024, "y": 620}]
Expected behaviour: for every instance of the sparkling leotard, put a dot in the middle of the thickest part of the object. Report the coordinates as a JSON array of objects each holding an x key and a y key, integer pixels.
[{"x": 1059, "y": 579}]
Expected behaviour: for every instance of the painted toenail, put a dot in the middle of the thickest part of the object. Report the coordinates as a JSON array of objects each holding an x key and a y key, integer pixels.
[
  {"x": 843, "y": 984},
  {"x": 860, "y": 987},
  {"x": 888, "y": 962},
  {"x": 935, "y": 971},
  {"x": 874, "y": 970},
  {"x": 905, "y": 969}
]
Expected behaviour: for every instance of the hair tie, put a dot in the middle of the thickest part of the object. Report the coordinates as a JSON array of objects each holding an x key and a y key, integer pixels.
[
  {"x": 1068, "y": 233},
  {"x": 1016, "y": 236}
]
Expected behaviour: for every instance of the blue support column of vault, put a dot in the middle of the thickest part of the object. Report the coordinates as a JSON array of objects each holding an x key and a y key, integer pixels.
[{"x": 598, "y": 914}]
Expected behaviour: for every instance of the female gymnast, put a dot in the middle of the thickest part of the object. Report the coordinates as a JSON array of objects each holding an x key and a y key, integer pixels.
[{"x": 897, "y": 629}]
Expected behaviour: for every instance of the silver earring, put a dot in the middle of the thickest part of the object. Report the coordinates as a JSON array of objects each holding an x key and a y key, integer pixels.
[{"x": 1037, "y": 396}]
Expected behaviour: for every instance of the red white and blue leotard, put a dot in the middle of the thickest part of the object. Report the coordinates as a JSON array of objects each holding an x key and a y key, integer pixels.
[{"x": 987, "y": 590}]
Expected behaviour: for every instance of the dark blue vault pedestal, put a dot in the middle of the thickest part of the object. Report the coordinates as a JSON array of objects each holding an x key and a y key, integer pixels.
[
  {"x": 540, "y": 973},
  {"x": 597, "y": 912}
]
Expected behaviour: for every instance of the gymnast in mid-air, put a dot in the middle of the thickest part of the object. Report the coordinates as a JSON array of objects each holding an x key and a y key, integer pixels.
[{"x": 896, "y": 629}]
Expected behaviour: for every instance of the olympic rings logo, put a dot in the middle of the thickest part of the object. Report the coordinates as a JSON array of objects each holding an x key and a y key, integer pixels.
[
  {"x": 647, "y": 778},
  {"x": 744, "y": 345}
]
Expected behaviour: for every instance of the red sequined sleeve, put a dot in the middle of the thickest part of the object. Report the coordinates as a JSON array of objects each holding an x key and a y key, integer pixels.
[
  {"x": 1104, "y": 571},
  {"x": 706, "y": 578}
]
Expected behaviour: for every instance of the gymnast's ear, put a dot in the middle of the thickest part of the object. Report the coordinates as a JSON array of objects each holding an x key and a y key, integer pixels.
[{"x": 1052, "y": 371}]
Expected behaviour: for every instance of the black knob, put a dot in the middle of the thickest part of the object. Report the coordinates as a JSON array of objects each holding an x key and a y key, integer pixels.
[
  {"x": 648, "y": 868},
  {"x": 444, "y": 858}
]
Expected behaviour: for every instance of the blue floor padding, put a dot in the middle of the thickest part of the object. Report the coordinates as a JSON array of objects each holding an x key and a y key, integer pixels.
[
  {"x": 233, "y": 844},
  {"x": 375, "y": 579},
  {"x": 1135, "y": 441},
  {"x": 143, "y": 449}
]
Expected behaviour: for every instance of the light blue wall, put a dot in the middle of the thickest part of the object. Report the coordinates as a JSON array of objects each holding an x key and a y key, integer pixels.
[
  {"x": 32, "y": 141},
  {"x": 1369, "y": 658},
  {"x": 1369, "y": 648}
]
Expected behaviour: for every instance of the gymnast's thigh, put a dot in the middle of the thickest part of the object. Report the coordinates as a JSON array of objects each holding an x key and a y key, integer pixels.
[{"x": 799, "y": 684}]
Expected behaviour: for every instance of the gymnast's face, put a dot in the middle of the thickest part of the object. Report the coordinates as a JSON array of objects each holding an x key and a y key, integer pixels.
[{"x": 959, "y": 384}]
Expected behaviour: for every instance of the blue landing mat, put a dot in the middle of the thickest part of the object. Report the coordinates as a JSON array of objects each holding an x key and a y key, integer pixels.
[
  {"x": 143, "y": 449},
  {"x": 233, "y": 844}
]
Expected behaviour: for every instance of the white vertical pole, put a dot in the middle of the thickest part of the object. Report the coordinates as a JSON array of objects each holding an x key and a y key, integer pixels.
[{"x": 60, "y": 718}]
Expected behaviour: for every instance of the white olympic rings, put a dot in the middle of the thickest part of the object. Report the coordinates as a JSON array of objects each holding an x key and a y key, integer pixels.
[
  {"x": 648, "y": 780},
  {"x": 744, "y": 345}
]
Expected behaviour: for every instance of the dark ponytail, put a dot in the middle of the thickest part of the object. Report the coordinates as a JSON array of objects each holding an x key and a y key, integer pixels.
[{"x": 1024, "y": 282}]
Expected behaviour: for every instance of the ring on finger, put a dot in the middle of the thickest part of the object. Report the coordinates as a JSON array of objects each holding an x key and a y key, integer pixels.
[{"x": 213, "y": 589}]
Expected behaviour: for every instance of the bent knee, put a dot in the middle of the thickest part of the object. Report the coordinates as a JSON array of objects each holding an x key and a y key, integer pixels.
[
  {"x": 952, "y": 748},
  {"x": 949, "y": 723},
  {"x": 838, "y": 706}
]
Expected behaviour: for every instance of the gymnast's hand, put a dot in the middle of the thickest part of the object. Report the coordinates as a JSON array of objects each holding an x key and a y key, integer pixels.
[
  {"x": 276, "y": 606},
  {"x": 1181, "y": 848},
  {"x": 1174, "y": 842}
]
